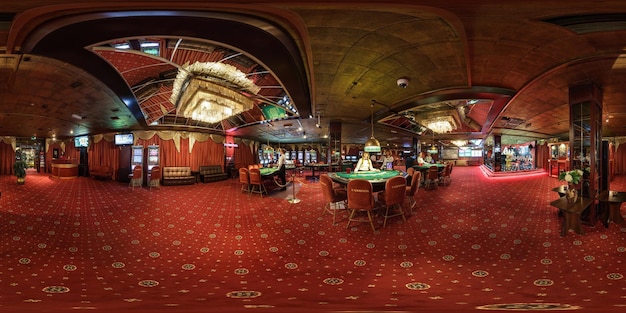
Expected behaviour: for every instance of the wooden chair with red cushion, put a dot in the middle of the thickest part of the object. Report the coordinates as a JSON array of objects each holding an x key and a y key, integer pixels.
[
  {"x": 393, "y": 197},
  {"x": 411, "y": 191},
  {"x": 360, "y": 199},
  {"x": 155, "y": 177},
  {"x": 432, "y": 177},
  {"x": 136, "y": 178},
  {"x": 244, "y": 179},
  {"x": 444, "y": 177},
  {"x": 410, "y": 171},
  {"x": 332, "y": 196},
  {"x": 256, "y": 182}
]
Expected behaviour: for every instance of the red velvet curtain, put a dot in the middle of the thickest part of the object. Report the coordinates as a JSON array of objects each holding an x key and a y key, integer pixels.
[
  {"x": 611, "y": 160},
  {"x": 207, "y": 153},
  {"x": 7, "y": 158},
  {"x": 620, "y": 159},
  {"x": 72, "y": 152},
  {"x": 243, "y": 156},
  {"x": 543, "y": 154},
  {"x": 203, "y": 153},
  {"x": 104, "y": 153}
]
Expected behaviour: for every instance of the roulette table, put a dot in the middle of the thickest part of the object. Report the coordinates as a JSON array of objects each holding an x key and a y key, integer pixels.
[{"x": 377, "y": 178}]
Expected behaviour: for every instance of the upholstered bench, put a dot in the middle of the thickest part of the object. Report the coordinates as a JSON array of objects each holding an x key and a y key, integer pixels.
[
  {"x": 211, "y": 173},
  {"x": 177, "y": 175},
  {"x": 102, "y": 172}
]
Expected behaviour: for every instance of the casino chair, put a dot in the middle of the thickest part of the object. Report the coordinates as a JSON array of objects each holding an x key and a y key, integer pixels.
[
  {"x": 256, "y": 181},
  {"x": 155, "y": 177},
  {"x": 432, "y": 177},
  {"x": 411, "y": 191},
  {"x": 136, "y": 178},
  {"x": 360, "y": 199},
  {"x": 333, "y": 197},
  {"x": 410, "y": 171},
  {"x": 444, "y": 177},
  {"x": 244, "y": 179},
  {"x": 393, "y": 197}
]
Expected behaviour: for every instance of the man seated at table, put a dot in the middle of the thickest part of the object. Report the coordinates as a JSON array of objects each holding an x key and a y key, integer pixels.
[
  {"x": 388, "y": 160},
  {"x": 364, "y": 164}
]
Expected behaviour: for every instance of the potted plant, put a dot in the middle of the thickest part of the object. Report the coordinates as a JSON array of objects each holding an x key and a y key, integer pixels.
[
  {"x": 19, "y": 170},
  {"x": 572, "y": 178}
]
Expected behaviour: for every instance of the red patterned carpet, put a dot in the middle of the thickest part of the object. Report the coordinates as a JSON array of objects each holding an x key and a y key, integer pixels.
[{"x": 74, "y": 245}]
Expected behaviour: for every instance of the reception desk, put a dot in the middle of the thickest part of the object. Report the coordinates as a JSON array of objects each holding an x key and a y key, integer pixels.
[{"x": 64, "y": 169}]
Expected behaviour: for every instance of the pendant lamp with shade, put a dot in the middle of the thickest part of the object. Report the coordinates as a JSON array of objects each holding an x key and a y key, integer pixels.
[
  {"x": 433, "y": 147},
  {"x": 372, "y": 145}
]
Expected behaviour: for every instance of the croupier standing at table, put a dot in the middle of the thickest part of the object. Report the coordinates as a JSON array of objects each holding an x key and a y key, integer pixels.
[
  {"x": 365, "y": 163},
  {"x": 281, "y": 168}
]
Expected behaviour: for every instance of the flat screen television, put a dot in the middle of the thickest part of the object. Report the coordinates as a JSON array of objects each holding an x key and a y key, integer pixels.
[
  {"x": 81, "y": 141},
  {"x": 124, "y": 139}
]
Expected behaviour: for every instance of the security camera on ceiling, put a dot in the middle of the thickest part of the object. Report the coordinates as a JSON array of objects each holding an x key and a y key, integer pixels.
[{"x": 403, "y": 82}]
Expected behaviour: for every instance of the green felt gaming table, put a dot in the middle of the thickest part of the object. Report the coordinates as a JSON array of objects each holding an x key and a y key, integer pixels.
[
  {"x": 377, "y": 178},
  {"x": 426, "y": 166},
  {"x": 268, "y": 171}
]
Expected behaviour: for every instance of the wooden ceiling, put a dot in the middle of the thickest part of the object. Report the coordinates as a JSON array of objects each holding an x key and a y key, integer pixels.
[{"x": 493, "y": 67}]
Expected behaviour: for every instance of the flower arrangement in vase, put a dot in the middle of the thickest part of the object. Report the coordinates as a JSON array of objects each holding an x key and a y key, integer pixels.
[{"x": 572, "y": 178}]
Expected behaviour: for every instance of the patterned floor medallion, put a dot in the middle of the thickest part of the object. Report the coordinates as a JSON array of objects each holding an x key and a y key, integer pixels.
[
  {"x": 417, "y": 286},
  {"x": 148, "y": 283},
  {"x": 528, "y": 307},
  {"x": 56, "y": 289},
  {"x": 243, "y": 294}
]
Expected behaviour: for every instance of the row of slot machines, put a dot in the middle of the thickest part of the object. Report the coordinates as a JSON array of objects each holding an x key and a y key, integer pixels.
[
  {"x": 303, "y": 156},
  {"x": 152, "y": 157}
]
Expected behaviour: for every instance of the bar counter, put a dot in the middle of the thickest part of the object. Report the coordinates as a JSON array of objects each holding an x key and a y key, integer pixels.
[{"x": 64, "y": 169}]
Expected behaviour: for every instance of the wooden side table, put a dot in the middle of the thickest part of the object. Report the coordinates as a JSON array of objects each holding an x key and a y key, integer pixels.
[
  {"x": 571, "y": 213},
  {"x": 614, "y": 200}
]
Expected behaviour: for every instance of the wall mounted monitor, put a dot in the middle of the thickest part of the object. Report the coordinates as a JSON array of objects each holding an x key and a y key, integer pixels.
[
  {"x": 81, "y": 141},
  {"x": 124, "y": 139}
]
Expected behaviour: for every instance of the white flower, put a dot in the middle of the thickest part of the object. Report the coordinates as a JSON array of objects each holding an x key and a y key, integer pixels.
[
  {"x": 580, "y": 172},
  {"x": 568, "y": 178}
]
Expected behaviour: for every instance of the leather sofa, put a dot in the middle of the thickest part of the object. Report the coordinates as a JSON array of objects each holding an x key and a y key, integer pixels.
[
  {"x": 177, "y": 175},
  {"x": 102, "y": 172},
  {"x": 211, "y": 173}
]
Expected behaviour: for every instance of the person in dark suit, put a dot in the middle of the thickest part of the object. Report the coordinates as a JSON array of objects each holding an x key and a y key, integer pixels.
[{"x": 409, "y": 162}]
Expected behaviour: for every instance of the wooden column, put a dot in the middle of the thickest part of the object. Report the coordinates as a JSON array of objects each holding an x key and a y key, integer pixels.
[
  {"x": 586, "y": 141},
  {"x": 497, "y": 153},
  {"x": 334, "y": 141}
]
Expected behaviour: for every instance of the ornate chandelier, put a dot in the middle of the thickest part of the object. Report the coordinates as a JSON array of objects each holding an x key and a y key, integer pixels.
[
  {"x": 459, "y": 143},
  {"x": 441, "y": 124},
  {"x": 210, "y": 91}
]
